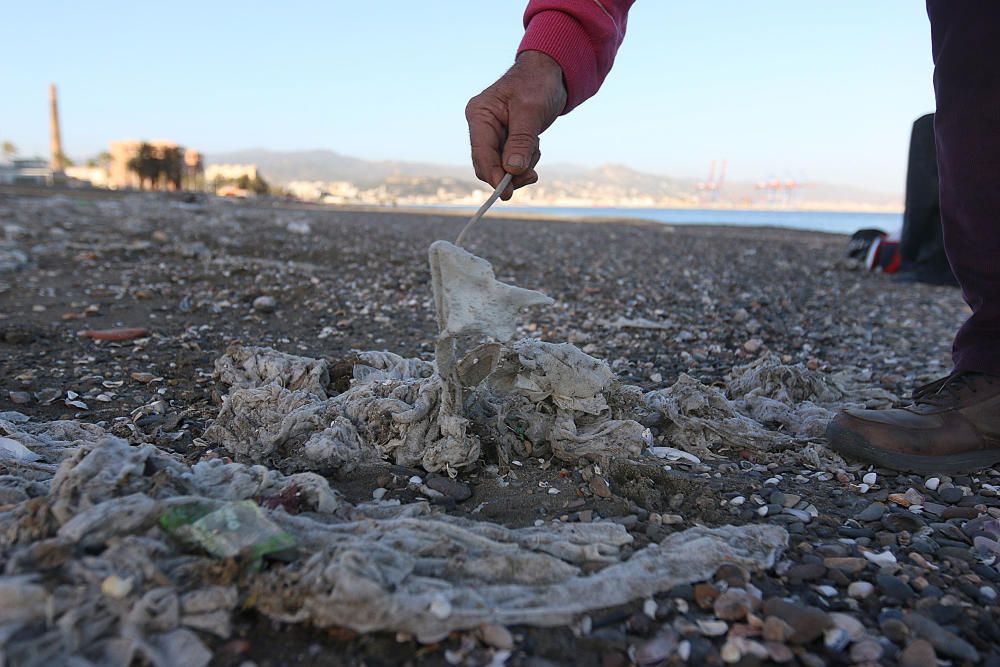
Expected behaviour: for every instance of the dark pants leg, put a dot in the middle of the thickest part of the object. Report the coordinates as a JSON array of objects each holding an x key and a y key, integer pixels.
[{"x": 966, "y": 42}]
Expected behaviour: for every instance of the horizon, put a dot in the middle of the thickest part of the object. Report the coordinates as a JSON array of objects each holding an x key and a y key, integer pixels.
[{"x": 823, "y": 94}]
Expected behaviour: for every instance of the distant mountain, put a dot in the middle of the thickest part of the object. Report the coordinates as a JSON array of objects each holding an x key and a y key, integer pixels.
[
  {"x": 610, "y": 180},
  {"x": 323, "y": 165}
]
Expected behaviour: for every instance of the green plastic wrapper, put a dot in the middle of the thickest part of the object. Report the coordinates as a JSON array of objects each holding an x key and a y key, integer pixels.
[{"x": 235, "y": 529}]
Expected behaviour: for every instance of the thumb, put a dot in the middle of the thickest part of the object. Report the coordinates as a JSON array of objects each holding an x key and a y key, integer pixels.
[{"x": 524, "y": 124}]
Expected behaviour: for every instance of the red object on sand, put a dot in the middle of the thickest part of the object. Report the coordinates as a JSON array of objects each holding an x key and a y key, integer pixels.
[{"x": 127, "y": 333}]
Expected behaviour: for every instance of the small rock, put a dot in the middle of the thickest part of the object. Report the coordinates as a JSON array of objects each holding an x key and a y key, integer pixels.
[
  {"x": 379, "y": 493},
  {"x": 790, "y": 500},
  {"x": 753, "y": 345},
  {"x": 882, "y": 558},
  {"x": 854, "y": 628},
  {"x": 730, "y": 652},
  {"x": 732, "y": 574},
  {"x": 931, "y": 484},
  {"x": 873, "y": 512},
  {"x": 895, "y": 629},
  {"x": 115, "y": 587},
  {"x": 918, "y": 653},
  {"x": 806, "y": 572},
  {"x": 846, "y": 564},
  {"x": 870, "y": 478},
  {"x": 777, "y": 630},
  {"x": 779, "y": 653},
  {"x": 859, "y": 590},
  {"x": 894, "y": 588},
  {"x": 836, "y": 639},
  {"x": 942, "y": 640},
  {"x": 808, "y": 622},
  {"x": 733, "y": 605},
  {"x": 705, "y": 595},
  {"x": 497, "y": 636},
  {"x": 600, "y": 487},
  {"x": 656, "y": 650},
  {"x": 265, "y": 304},
  {"x": 900, "y": 521},
  {"x": 951, "y": 494},
  {"x": 19, "y": 397},
  {"x": 712, "y": 628},
  {"x": 450, "y": 487},
  {"x": 868, "y": 650}
]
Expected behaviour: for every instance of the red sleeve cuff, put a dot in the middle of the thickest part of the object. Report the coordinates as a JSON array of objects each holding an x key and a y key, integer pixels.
[{"x": 562, "y": 38}]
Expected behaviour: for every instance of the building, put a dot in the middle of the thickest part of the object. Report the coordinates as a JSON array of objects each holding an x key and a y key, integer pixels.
[
  {"x": 95, "y": 176},
  {"x": 120, "y": 176},
  {"x": 227, "y": 173},
  {"x": 26, "y": 171}
]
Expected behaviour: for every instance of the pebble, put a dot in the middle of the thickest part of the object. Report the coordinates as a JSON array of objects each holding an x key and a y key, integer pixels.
[
  {"x": 656, "y": 650},
  {"x": 854, "y": 628},
  {"x": 379, "y": 493},
  {"x": 705, "y": 595},
  {"x": 900, "y": 521},
  {"x": 808, "y": 623},
  {"x": 801, "y": 515},
  {"x": 873, "y": 512},
  {"x": 732, "y": 574},
  {"x": 777, "y": 630},
  {"x": 895, "y": 629},
  {"x": 942, "y": 640},
  {"x": 115, "y": 587},
  {"x": 859, "y": 590},
  {"x": 932, "y": 483},
  {"x": 450, "y": 487},
  {"x": 733, "y": 605},
  {"x": 712, "y": 628},
  {"x": 836, "y": 639},
  {"x": 497, "y": 636},
  {"x": 950, "y": 495},
  {"x": 265, "y": 304},
  {"x": 806, "y": 572},
  {"x": 918, "y": 653},
  {"x": 778, "y": 652},
  {"x": 880, "y": 558},
  {"x": 894, "y": 588},
  {"x": 868, "y": 650},
  {"x": 870, "y": 478},
  {"x": 599, "y": 486},
  {"x": 846, "y": 564}
]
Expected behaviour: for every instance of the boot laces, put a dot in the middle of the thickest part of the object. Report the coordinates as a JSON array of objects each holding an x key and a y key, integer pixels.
[{"x": 948, "y": 390}]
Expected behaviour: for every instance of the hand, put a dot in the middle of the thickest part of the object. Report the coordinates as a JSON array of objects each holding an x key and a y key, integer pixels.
[{"x": 506, "y": 119}]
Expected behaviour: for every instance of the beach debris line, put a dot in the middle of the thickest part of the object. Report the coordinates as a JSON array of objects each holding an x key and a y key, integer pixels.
[{"x": 127, "y": 534}]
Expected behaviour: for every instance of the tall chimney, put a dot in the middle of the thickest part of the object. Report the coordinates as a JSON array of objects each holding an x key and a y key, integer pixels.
[{"x": 55, "y": 138}]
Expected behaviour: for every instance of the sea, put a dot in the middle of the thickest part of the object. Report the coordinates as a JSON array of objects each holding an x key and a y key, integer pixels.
[{"x": 817, "y": 221}]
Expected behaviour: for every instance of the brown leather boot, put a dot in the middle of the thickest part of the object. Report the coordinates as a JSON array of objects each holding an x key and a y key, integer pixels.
[{"x": 953, "y": 426}]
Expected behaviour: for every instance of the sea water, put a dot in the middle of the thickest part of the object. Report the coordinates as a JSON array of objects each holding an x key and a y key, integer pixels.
[{"x": 818, "y": 221}]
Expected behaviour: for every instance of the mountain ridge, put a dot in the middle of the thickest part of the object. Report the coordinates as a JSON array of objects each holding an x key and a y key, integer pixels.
[{"x": 282, "y": 167}]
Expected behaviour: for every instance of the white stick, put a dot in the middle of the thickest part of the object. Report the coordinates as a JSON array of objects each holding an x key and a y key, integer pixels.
[{"x": 504, "y": 182}]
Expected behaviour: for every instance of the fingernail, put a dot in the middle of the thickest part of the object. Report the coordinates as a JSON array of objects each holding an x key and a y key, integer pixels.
[{"x": 515, "y": 161}]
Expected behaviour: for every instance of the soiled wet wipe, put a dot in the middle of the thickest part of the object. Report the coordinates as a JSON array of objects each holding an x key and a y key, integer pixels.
[{"x": 101, "y": 570}]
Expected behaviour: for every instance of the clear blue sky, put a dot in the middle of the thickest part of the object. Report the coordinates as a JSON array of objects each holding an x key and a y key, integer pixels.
[{"x": 816, "y": 90}]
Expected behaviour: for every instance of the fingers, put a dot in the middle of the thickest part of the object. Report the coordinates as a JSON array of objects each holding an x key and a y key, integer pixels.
[
  {"x": 524, "y": 124},
  {"x": 486, "y": 134},
  {"x": 529, "y": 177}
]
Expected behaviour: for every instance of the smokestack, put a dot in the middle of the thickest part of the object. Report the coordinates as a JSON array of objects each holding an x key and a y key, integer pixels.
[{"x": 55, "y": 137}]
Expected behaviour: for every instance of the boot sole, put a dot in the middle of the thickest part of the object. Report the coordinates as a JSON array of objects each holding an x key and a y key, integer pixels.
[{"x": 849, "y": 443}]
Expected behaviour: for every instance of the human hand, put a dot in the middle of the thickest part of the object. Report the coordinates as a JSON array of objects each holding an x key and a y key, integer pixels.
[{"x": 506, "y": 119}]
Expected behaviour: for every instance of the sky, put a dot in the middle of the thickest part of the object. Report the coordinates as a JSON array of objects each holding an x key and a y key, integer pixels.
[{"x": 818, "y": 91}]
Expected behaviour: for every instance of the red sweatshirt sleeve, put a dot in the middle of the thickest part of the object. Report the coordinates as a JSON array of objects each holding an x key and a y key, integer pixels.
[{"x": 583, "y": 36}]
